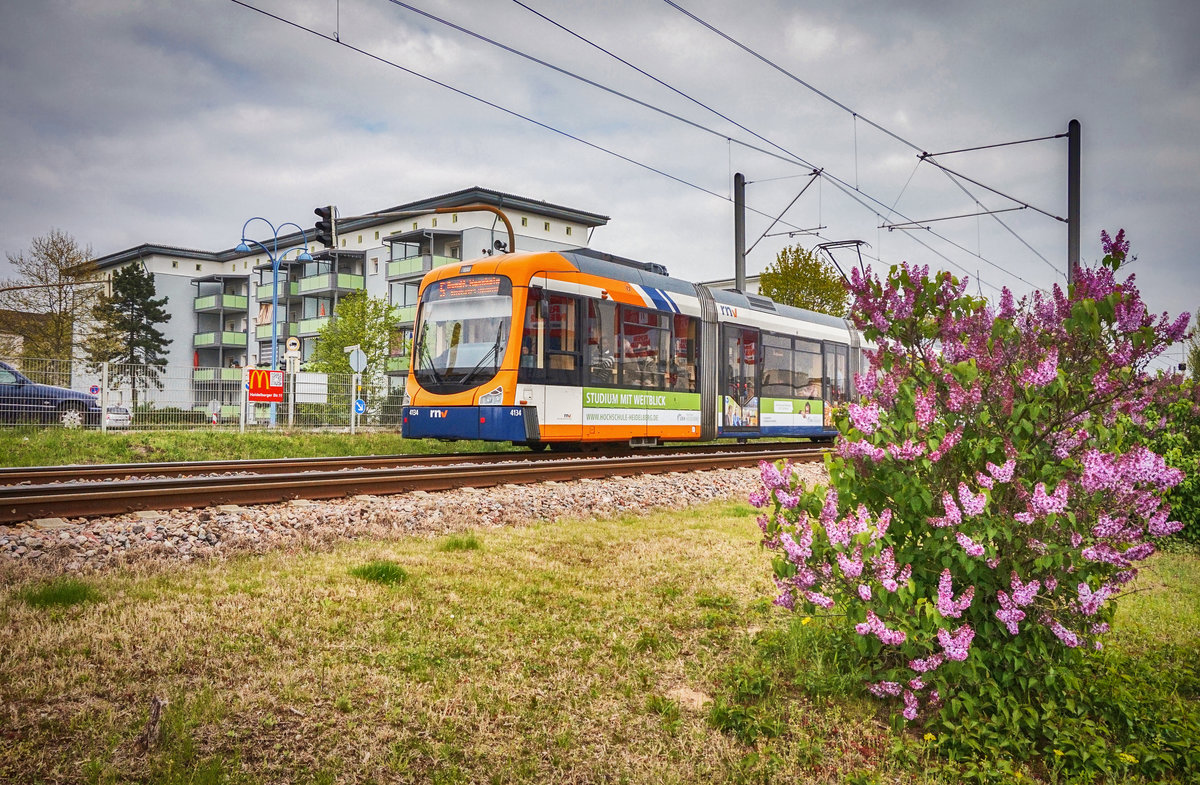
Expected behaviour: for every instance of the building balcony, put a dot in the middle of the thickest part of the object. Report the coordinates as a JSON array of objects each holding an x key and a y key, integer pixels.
[
  {"x": 407, "y": 314},
  {"x": 221, "y": 302},
  {"x": 309, "y": 327},
  {"x": 398, "y": 268},
  {"x": 331, "y": 282},
  {"x": 286, "y": 330},
  {"x": 225, "y": 338},
  {"x": 397, "y": 364},
  {"x": 217, "y": 375},
  {"x": 286, "y": 289}
]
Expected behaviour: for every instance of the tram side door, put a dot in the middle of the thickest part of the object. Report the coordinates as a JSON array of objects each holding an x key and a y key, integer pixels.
[{"x": 741, "y": 355}]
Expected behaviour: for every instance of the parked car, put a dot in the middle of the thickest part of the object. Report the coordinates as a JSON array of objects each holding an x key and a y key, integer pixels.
[
  {"x": 118, "y": 417},
  {"x": 25, "y": 401}
]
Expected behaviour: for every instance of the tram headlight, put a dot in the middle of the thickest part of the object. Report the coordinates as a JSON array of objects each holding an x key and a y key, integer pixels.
[{"x": 494, "y": 398}]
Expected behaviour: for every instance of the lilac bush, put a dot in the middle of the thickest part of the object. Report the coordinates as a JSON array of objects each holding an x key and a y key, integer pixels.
[{"x": 992, "y": 494}]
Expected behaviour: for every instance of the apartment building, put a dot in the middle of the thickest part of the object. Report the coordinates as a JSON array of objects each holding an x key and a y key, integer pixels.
[{"x": 227, "y": 305}]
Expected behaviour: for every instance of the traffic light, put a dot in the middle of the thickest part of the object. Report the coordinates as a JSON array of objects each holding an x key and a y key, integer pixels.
[{"x": 326, "y": 232}]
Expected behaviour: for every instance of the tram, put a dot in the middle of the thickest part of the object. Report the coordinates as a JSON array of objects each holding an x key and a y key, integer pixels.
[{"x": 572, "y": 348}]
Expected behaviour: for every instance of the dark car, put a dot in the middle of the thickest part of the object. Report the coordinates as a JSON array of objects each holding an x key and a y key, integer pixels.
[{"x": 25, "y": 401}]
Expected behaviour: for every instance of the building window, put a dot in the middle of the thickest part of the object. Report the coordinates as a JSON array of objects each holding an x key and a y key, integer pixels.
[
  {"x": 435, "y": 222},
  {"x": 524, "y": 220},
  {"x": 360, "y": 239},
  {"x": 414, "y": 225},
  {"x": 546, "y": 226},
  {"x": 377, "y": 234},
  {"x": 198, "y": 267},
  {"x": 343, "y": 242},
  {"x": 374, "y": 265},
  {"x": 454, "y": 218},
  {"x": 568, "y": 231},
  {"x": 174, "y": 263}
]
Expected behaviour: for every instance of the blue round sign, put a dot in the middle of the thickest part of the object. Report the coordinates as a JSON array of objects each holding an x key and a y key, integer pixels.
[
  {"x": 94, "y": 389},
  {"x": 360, "y": 406}
]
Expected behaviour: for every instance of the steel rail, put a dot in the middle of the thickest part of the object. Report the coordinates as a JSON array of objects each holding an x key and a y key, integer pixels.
[
  {"x": 90, "y": 499},
  {"x": 29, "y": 475}
]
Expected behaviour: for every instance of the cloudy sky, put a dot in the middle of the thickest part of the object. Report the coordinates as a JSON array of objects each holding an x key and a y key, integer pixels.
[{"x": 126, "y": 122}]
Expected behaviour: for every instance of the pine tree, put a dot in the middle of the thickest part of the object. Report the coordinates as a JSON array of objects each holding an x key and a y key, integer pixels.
[
  {"x": 799, "y": 278},
  {"x": 125, "y": 335}
]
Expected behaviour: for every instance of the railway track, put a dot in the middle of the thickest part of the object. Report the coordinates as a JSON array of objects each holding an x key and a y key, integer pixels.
[{"x": 146, "y": 486}]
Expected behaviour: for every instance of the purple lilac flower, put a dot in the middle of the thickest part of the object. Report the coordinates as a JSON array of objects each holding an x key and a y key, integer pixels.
[
  {"x": 910, "y": 706},
  {"x": 759, "y": 498},
  {"x": 909, "y": 451},
  {"x": 948, "y": 443},
  {"x": 984, "y": 480},
  {"x": 925, "y": 400},
  {"x": 1044, "y": 504},
  {"x": 874, "y": 624},
  {"x": 818, "y": 599},
  {"x": 883, "y": 689},
  {"x": 865, "y": 418},
  {"x": 1066, "y": 636},
  {"x": 1090, "y": 601},
  {"x": 852, "y": 565},
  {"x": 946, "y": 604},
  {"x": 957, "y": 645},
  {"x": 930, "y": 663},
  {"x": 797, "y": 553},
  {"x": 970, "y": 546},
  {"x": 1162, "y": 528},
  {"x": 864, "y": 592},
  {"x": 972, "y": 504},
  {"x": 1002, "y": 473},
  {"x": 1045, "y": 372},
  {"x": 1009, "y": 613}
]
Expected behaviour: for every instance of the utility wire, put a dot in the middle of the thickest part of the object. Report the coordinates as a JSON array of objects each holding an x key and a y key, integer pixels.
[
  {"x": 798, "y": 157},
  {"x": 496, "y": 106},
  {"x": 846, "y": 108},
  {"x": 585, "y": 80},
  {"x": 837, "y": 181}
]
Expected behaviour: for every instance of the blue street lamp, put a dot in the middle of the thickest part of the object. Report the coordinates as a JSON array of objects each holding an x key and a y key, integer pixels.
[{"x": 276, "y": 257}]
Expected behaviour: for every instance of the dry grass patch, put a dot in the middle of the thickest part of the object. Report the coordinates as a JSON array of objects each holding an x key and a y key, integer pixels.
[{"x": 583, "y": 651}]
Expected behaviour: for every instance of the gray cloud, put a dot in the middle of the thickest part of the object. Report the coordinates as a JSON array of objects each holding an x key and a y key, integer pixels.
[{"x": 127, "y": 122}]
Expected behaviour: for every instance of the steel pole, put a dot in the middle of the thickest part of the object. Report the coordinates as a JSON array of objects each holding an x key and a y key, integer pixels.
[
  {"x": 274, "y": 322},
  {"x": 739, "y": 232},
  {"x": 1073, "y": 166}
]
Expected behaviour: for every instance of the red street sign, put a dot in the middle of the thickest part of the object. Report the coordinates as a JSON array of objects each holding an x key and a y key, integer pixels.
[{"x": 264, "y": 386}]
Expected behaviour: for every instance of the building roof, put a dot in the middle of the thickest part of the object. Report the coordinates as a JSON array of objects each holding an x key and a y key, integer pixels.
[{"x": 475, "y": 194}]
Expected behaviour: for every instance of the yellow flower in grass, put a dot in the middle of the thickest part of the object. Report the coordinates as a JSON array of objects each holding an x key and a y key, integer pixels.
[
  {"x": 930, "y": 737},
  {"x": 806, "y": 620},
  {"x": 1127, "y": 758},
  {"x": 1058, "y": 753}
]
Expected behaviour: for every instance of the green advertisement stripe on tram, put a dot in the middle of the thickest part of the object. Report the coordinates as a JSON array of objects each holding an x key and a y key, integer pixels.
[{"x": 594, "y": 397}]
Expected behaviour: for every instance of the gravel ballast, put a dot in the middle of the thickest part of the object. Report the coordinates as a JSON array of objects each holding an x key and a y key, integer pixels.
[{"x": 80, "y": 545}]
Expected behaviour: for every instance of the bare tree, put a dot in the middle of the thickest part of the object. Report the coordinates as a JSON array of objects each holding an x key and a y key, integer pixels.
[{"x": 56, "y": 279}]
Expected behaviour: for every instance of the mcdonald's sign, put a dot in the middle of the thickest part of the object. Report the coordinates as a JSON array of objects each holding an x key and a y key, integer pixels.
[{"x": 264, "y": 385}]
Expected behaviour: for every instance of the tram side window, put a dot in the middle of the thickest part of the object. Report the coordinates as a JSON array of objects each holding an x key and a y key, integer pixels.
[
  {"x": 777, "y": 366},
  {"x": 808, "y": 371},
  {"x": 683, "y": 356},
  {"x": 561, "y": 349},
  {"x": 531, "y": 366},
  {"x": 599, "y": 353},
  {"x": 837, "y": 365},
  {"x": 643, "y": 348}
]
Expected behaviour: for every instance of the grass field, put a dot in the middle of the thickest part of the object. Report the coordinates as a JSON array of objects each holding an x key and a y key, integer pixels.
[
  {"x": 56, "y": 447},
  {"x": 641, "y": 650}
]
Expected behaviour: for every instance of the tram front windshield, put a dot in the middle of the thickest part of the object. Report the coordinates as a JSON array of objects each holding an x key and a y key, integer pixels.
[{"x": 462, "y": 332}]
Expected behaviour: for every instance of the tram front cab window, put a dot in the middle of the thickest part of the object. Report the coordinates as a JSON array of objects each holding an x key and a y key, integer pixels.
[{"x": 462, "y": 332}]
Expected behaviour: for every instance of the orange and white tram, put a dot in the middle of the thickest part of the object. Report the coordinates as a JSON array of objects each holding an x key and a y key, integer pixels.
[{"x": 574, "y": 347}]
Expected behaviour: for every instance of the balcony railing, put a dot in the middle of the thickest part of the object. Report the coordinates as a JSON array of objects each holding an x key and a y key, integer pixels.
[
  {"x": 328, "y": 282},
  {"x": 397, "y": 364},
  {"x": 415, "y": 264},
  {"x": 225, "y": 338},
  {"x": 405, "y": 313},
  {"x": 286, "y": 330},
  {"x": 311, "y": 326},
  {"x": 221, "y": 302},
  {"x": 217, "y": 375},
  {"x": 286, "y": 289}
]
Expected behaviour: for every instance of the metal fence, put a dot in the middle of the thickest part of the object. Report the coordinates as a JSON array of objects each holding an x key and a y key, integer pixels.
[{"x": 149, "y": 398}]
